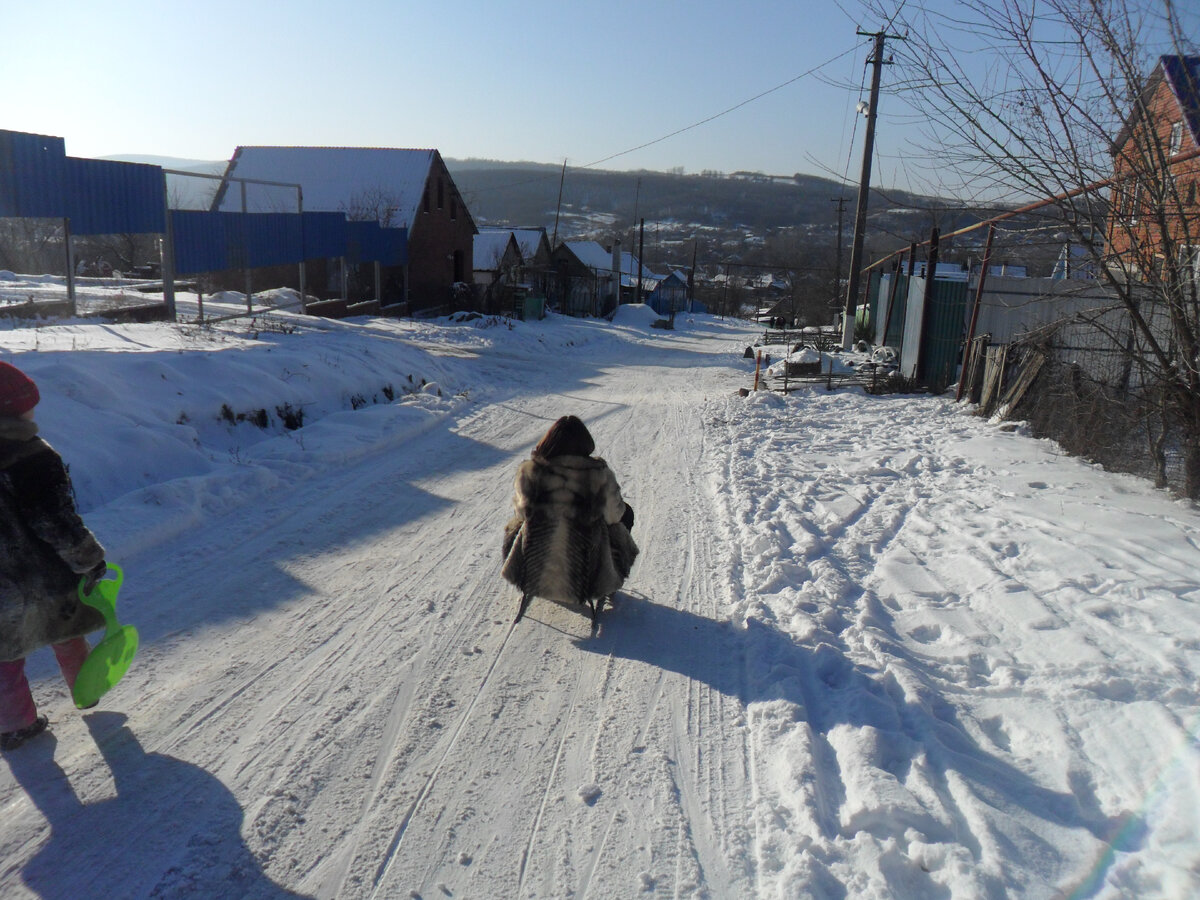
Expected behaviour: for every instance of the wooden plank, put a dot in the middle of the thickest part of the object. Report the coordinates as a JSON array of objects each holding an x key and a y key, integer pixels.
[
  {"x": 993, "y": 373},
  {"x": 1022, "y": 383}
]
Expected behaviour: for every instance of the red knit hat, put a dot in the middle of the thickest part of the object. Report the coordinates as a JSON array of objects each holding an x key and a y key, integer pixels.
[{"x": 18, "y": 393}]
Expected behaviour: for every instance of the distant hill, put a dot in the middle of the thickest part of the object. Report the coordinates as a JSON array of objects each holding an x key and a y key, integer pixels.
[
  {"x": 748, "y": 219},
  {"x": 742, "y": 217},
  {"x": 209, "y": 166},
  {"x": 185, "y": 192}
]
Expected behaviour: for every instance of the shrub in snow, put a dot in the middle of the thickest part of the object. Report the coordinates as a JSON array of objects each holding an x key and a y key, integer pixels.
[{"x": 292, "y": 417}]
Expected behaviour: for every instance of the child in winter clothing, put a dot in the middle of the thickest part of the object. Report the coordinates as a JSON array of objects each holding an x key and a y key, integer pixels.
[
  {"x": 44, "y": 549},
  {"x": 569, "y": 539}
]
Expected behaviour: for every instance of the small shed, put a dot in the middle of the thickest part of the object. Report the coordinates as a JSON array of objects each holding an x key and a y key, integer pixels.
[{"x": 669, "y": 295}]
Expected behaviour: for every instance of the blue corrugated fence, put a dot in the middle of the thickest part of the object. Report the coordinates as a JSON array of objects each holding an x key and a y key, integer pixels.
[{"x": 38, "y": 180}]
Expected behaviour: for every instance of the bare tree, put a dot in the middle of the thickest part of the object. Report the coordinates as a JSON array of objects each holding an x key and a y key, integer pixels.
[
  {"x": 1026, "y": 100},
  {"x": 378, "y": 204},
  {"x": 32, "y": 246}
]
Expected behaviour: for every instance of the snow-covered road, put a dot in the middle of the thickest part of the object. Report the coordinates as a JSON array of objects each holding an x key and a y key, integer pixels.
[{"x": 872, "y": 646}]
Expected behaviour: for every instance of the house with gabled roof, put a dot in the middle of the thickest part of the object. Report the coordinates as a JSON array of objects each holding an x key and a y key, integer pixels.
[
  {"x": 534, "y": 245},
  {"x": 495, "y": 254},
  {"x": 510, "y": 261},
  {"x": 496, "y": 269},
  {"x": 398, "y": 188},
  {"x": 583, "y": 279},
  {"x": 1156, "y": 170}
]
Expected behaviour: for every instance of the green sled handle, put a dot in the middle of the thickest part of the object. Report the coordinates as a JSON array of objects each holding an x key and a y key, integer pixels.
[{"x": 109, "y": 659}]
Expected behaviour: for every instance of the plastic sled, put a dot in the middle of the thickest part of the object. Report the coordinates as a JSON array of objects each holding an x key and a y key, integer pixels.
[{"x": 109, "y": 660}]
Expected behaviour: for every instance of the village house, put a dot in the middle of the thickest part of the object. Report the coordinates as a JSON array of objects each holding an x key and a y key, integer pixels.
[
  {"x": 534, "y": 246},
  {"x": 1155, "y": 210},
  {"x": 410, "y": 189},
  {"x": 583, "y": 278},
  {"x": 496, "y": 268}
]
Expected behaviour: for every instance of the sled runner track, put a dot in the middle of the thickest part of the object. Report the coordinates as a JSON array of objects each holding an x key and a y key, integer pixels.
[
  {"x": 585, "y": 878},
  {"x": 558, "y": 756},
  {"x": 398, "y": 839},
  {"x": 343, "y": 857}
]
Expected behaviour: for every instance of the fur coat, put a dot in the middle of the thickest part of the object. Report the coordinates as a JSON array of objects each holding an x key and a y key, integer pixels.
[
  {"x": 44, "y": 546},
  {"x": 566, "y": 541}
]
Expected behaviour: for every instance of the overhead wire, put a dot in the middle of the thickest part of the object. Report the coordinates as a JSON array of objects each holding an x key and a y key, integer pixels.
[{"x": 682, "y": 130}]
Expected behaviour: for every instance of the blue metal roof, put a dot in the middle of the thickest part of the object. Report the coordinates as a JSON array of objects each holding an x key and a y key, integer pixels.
[{"x": 1183, "y": 75}]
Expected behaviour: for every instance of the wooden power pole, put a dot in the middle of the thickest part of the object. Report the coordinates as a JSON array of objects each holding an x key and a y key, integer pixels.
[
  {"x": 837, "y": 265},
  {"x": 864, "y": 190}
]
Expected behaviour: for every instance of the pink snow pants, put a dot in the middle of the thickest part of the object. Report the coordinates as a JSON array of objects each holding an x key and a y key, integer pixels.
[{"x": 17, "y": 709}]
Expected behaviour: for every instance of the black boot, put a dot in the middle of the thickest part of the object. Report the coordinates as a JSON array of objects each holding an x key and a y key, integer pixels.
[{"x": 11, "y": 740}]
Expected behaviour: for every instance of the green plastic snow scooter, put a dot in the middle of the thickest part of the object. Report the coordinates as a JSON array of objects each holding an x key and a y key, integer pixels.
[{"x": 109, "y": 659}]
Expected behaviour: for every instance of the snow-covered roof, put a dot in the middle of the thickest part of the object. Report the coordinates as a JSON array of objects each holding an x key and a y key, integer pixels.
[
  {"x": 528, "y": 239},
  {"x": 594, "y": 256},
  {"x": 591, "y": 254},
  {"x": 333, "y": 179},
  {"x": 489, "y": 249}
]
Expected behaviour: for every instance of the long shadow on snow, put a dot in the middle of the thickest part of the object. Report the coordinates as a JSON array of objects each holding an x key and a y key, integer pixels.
[
  {"x": 172, "y": 829},
  {"x": 759, "y": 663},
  {"x": 209, "y": 581}
]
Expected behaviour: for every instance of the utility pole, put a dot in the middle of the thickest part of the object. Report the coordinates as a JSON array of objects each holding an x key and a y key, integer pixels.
[
  {"x": 864, "y": 189},
  {"x": 837, "y": 266},
  {"x": 637, "y": 198},
  {"x": 558, "y": 209},
  {"x": 641, "y": 253}
]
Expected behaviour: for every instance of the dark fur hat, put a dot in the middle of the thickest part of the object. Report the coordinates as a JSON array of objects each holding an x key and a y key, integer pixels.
[{"x": 566, "y": 437}]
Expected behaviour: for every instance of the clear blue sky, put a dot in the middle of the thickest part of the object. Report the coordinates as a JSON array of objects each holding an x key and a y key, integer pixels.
[
  {"x": 533, "y": 80},
  {"x": 542, "y": 80}
]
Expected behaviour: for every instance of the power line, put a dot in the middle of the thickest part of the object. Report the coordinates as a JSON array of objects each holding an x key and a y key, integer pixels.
[
  {"x": 723, "y": 112},
  {"x": 686, "y": 128}
]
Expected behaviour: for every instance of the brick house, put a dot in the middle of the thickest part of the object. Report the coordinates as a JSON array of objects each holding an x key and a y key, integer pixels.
[
  {"x": 1155, "y": 209},
  {"x": 398, "y": 188}
]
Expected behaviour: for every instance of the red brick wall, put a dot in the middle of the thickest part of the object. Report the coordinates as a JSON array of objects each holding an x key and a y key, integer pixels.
[
  {"x": 434, "y": 238},
  {"x": 1184, "y": 219}
]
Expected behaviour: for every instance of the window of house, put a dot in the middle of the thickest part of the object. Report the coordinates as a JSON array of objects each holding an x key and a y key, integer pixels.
[
  {"x": 1189, "y": 264},
  {"x": 425, "y": 201},
  {"x": 1176, "y": 137},
  {"x": 1189, "y": 194},
  {"x": 453, "y": 208},
  {"x": 441, "y": 194},
  {"x": 1135, "y": 202}
]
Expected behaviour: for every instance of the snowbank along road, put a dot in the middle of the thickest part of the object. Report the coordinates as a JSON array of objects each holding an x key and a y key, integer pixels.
[{"x": 872, "y": 647}]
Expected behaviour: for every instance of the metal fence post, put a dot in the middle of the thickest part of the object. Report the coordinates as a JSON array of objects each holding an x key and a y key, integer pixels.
[{"x": 70, "y": 265}]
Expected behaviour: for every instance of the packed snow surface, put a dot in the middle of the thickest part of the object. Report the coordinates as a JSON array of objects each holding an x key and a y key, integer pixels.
[{"x": 873, "y": 646}]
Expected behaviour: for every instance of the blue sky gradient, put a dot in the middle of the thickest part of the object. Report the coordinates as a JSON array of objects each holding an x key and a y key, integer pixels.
[{"x": 530, "y": 80}]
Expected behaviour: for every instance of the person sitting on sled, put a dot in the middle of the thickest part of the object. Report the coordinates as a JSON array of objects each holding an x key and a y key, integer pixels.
[
  {"x": 44, "y": 550},
  {"x": 569, "y": 539}
]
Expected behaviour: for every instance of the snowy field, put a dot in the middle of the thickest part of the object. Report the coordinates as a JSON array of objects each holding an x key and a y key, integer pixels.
[{"x": 873, "y": 646}]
